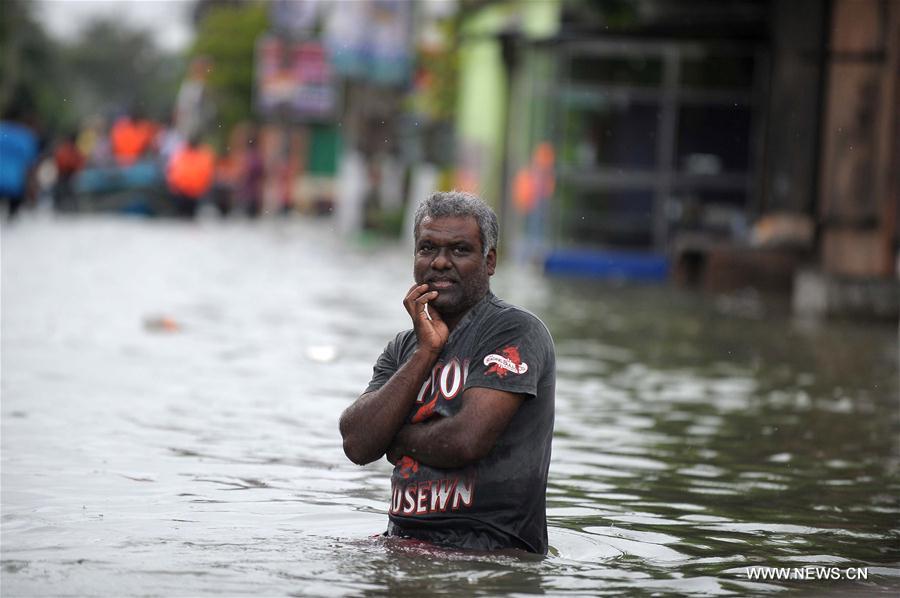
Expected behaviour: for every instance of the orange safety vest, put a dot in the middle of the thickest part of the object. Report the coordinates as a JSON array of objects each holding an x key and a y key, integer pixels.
[
  {"x": 130, "y": 139},
  {"x": 191, "y": 171}
]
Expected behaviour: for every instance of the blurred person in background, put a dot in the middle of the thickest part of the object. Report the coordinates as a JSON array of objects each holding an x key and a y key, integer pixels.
[
  {"x": 251, "y": 175},
  {"x": 42, "y": 189},
  {"x": 463, "y": 403},
  {"x": 168, "y": 141},
  {"x": 194, "y": 109},
  {"x": 228, "y": 170},
  {"x": 93, "y": 141},
  {"x": 229, "y": 166},
  {"x": 19, "y": 151},
  {"x": 189, "y": 176},
  {"x": 69, "y": 160},
  {"x": 132, "y": 136}
]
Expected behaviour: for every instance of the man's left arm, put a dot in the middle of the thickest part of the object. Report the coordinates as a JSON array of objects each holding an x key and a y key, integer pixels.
[{"x": 454, "y": 442}]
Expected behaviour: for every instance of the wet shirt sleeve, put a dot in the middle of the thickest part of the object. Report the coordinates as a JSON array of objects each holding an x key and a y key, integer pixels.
[
  {"x": 386, "y": 365},
  {"x": 511, "y": 354}
]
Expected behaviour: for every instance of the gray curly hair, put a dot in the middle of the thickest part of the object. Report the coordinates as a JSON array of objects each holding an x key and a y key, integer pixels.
[{"x": 459, "y": 203}]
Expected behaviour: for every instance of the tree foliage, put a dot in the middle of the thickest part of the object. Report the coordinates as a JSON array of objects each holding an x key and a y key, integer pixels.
[
  {"x": 29, "y": 66},
  {"x": 227, "y": 34},
  {"x": 112, "y": 68},
  {"x": 107, "y": 68}
]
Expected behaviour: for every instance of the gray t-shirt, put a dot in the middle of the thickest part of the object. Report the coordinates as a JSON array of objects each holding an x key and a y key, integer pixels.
[{"x": 499, "y": 501}]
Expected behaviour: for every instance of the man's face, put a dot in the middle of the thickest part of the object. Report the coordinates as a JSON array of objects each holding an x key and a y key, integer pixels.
[{"x": 449, "y": 257}]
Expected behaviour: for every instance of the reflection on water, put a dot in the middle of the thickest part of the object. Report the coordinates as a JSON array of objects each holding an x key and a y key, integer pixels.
[{"x": 695, "y": 436}]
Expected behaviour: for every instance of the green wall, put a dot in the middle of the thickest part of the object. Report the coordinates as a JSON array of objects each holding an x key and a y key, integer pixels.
[{"x": 483, "y": 101}]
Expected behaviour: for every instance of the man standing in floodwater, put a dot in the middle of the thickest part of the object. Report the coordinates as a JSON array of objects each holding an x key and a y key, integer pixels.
[{"x": 463, "y": 403}]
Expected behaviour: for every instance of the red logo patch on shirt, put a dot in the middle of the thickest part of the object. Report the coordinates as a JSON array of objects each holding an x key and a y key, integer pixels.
[
  {"x": 408, "y": 466},
  {"x": 509, "y": 361}
]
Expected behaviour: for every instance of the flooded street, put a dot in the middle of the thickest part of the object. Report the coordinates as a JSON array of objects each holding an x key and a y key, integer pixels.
[{"x": 170, "y": 397}]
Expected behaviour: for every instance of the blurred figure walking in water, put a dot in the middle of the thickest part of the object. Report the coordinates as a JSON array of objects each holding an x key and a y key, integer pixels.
[
  {"x": 18, "y": 155},
  {"x": 189, "y": 176},
  {"x": 69, "y": 160}
]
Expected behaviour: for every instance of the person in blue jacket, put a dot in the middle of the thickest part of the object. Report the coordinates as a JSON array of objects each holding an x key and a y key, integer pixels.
[{"x": 19, "y": 150}]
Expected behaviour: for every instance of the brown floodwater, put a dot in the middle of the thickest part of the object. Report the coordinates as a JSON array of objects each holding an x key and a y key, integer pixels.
[{"x": 170, "y": 395}]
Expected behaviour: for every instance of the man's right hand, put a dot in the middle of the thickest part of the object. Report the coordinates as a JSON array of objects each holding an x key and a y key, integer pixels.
[
  {"x": 369, "y": 425},
  {"x": 431, "y": 333}
]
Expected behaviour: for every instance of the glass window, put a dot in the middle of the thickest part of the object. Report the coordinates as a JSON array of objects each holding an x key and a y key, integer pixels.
[
  {"x": 718, "y": 72},
  {"x": 604, "y": 218},
  {"x": 710, "y": 211},
  {"x": 611, "y": 115},
  {"x": 713, "y": 139},
  {"x": 613, "y": 134},
  {"x": 618, "y": 70}
]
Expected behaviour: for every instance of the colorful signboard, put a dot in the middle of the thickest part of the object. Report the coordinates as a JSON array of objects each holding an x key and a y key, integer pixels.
[{"x": 294, "y": 81}]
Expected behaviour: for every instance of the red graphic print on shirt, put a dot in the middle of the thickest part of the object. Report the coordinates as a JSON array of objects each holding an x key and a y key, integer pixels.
[{"x": 509, "y": 361}]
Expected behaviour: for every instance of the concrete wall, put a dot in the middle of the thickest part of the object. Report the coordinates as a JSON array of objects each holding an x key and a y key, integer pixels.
[{"x": 482, "y": 104}]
